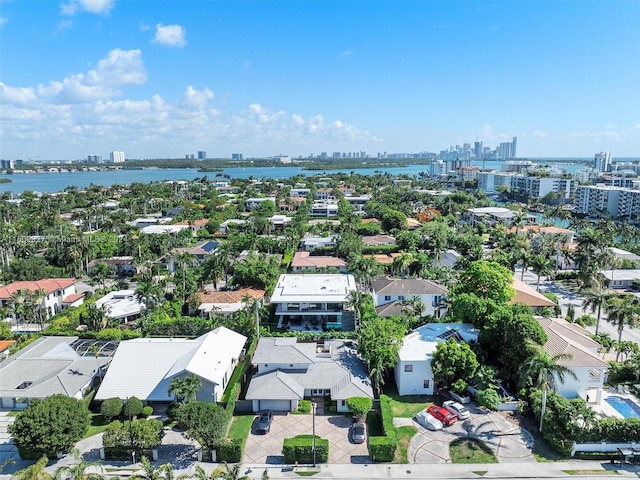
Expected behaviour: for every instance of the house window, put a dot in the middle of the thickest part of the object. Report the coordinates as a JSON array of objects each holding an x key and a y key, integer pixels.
[
  {"x": 266, "y": 364},
  {"x": 400, "y": 298},
  {"x": 343, "y": 402},
  {"x": 425, "y": 384},
  {"x": 408, "y": 368},
  {"x": 387, "y": 298}
]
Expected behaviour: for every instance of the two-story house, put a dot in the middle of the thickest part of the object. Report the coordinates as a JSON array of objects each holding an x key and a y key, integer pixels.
[
  {"x": 56, "y": 294},
  {"x": 314, "y": 302},
  {"x": 387, "y": 291}
]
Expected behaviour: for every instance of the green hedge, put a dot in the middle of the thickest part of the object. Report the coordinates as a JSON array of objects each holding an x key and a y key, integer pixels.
[
  {"x": 229, "y": 451},
  {"x": 383, "y": 449},
  {"x": 299, "y": 449},
  {"x": 304, "y": 406}
]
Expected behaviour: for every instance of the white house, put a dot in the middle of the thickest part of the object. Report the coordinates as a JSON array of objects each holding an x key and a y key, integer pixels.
[
  {"x": 571, "y": 339},
  {"x": 310, "y": 243},
  {"x": 254, "y": 203},
  {"x": 48, "y": 366},
  {"x": 144, "y": 367},
  {"x": 123, "y": 305},
  {"x": 413, "y": 371},
  {"x": 288, "y": 371},
  {"x": 314, "y": 302},
  {"x": 58, "y": 293},
  {"x": 387, "y": 290}
]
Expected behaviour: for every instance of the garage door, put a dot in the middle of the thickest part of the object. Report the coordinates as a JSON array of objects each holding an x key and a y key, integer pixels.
[{"x": 276, "y": 405}]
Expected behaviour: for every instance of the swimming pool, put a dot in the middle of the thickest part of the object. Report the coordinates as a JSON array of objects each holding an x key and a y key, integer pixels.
[{"x": 624, "y": 406}]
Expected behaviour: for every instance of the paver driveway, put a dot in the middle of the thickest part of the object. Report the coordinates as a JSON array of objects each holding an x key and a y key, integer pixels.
[
  {"x": 510, "y": 443},
  {"x": 7, "y": 448},
  {"x": 267, "y": 449}
]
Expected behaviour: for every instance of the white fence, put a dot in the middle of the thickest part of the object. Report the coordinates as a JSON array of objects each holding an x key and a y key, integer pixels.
[{"x": 602, "y": 447}]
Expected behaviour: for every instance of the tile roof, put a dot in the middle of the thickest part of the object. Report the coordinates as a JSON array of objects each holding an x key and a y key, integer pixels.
[
  {"x": 407, "y": 286},
  {"x": 304, "y": 259},
  {"x": 230, "y": 296},
  {"x": 570, "y": 339},
  {"x": 529, "y": 296},
  {"x": 50, "y": 285}
]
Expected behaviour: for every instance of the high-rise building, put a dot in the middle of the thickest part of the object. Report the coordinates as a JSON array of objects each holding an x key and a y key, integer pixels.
[
  {"x": 94, "y": 158},
  {"x": 236, "y": 156},
  {"x": 602, "y": 161},
  {"x": 202, "y": 155},
  {"x": 7, "y": 164},
  {"x": 514, "y": 144},
  {"x": 116, "y": 157}
]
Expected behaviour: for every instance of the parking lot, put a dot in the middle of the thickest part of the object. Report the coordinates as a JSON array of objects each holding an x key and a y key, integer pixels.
[{"x": 267, "y": 449}]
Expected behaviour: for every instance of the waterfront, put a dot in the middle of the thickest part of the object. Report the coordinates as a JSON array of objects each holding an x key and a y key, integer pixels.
[{"x": 55, "y": 182}]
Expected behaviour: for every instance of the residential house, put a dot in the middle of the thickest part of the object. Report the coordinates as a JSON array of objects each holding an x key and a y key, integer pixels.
[
  {"x": 5, "y": 348},
  {"x": 279, "y": 222},
  {"x": 227, "y": 302},
  {"x": 529, "y": 296},
  {"x": 491, "y": 216},
  {"x": 413, "y": 372},
  {"x": 48, "y": 366},
  {"x": 289, "y": 370},
  {"x": 314, "y": 301},
  {"x": 387, "y": 290},
  {"x": 121, "y": 265},
  {"x": 582, "y": 359},
  {"x": 195, "y": 225},
  {"x": 231, "y": 223},
  {"x": 321, "y": 208},
  {"x": 376, "y": 240},
  {"x": 198, "y": 252},
  {"x": 211, "y": 357},
  {"x": 310, "y": 243},
  {"x": 305, "y": 262},
  {"x": 621, "y": 279},
  {"x": 448, "y": 258},
  {"x": 122, "y": 305},
  {"x": 254, "y": 203},
  {"x": 59, "y": 293}
]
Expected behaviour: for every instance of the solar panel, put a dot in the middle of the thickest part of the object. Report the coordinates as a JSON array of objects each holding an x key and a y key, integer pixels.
[{"x": 451, "y": 333}]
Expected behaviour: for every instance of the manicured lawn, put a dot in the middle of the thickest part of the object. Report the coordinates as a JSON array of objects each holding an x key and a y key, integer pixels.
[
  {"x": 241, "y": 426},
  {"x": 98, "y": 425},
  {"x": 467, "y": 450},
  {"x": 408, "y": 406},
  {"x": 404, "y": 436}
]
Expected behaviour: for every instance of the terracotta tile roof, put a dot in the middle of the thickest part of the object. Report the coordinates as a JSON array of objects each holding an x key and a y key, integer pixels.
[
  {"x": 49, "y": 285},
  {"x": 195, "y": 223},
  {"x": 4, "y": 344},
  {"x": 74, "y": 297},
  {"x": 234, "y": 296},
  {"x": 303, "y": 259},
  {"x": 529, "y": 296}
]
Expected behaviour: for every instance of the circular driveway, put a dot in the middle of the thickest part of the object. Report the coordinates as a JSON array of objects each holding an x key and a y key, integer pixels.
[{"x": 510, "y": 443}]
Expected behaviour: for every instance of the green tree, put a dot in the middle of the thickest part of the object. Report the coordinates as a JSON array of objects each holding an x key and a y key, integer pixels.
[
  {"x": 51, "y": 425},
  {"x": 623, "y": 311},
  {"x": 101, "y": 272},
  {"x": 595, "y": 299},
  {"x": 453, "y": 361},
  {"x": 185, "y": 389},
  {"x": 205, "y": 421},
  {"x": 111, "y": 408},
  {"x": 78, "y": 469},
  {"x": 541, "y": 371},
  {"x": 489, "y": 398},
  {"x": 488, "y": 280},
  {"x": 379, "y": 342},
  {"x": 132, "y": 407},
  {"x": 542, "y": 265},
  {"x": 359, "y": 406}
]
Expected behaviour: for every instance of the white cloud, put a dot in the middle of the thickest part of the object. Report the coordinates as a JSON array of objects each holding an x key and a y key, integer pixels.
[
  {"x": 347, "y": 53},
  {"x": 72, "y": 7},
  {"x": 90, "y": 110},
  {"x": 3, "y": 20},
  {"x": 143, "y": 27},
  {"x": 170, "y": 35}
]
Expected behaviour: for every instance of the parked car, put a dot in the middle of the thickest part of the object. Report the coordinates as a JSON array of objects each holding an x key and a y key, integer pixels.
[
  {"x": 263, "y": 425},
  {"x": 428, "y": 421},
  {"x": 442, "y": 414},
  {"x": 357, "y": 433},
  {"x": 457, "y": 409}
]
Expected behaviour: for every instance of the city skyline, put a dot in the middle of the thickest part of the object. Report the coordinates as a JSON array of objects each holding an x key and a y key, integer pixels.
[{"x": 155, "y": 80}]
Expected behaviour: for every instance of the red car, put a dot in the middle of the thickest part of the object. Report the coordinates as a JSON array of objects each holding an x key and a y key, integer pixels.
[{"x": 442, "y": 414}]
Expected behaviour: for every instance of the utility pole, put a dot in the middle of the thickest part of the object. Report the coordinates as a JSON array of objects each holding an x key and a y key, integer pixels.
[{"x": 313, "y": 437}]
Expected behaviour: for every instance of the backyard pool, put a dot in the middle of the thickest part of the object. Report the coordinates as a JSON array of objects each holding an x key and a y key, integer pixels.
[{"x": 624, "y": 406}]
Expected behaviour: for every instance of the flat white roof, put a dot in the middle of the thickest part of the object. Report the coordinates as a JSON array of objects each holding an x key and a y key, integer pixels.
[
  {"x": 121, "y": 303},
  {"x": 313, "y": 288},
  {"x": 421, "y": 343}
]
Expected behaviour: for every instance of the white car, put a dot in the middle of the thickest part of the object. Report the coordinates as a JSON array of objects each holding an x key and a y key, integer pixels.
[
  {"x": 428, "y": 421},
  {"x": 457, "y": 409}
]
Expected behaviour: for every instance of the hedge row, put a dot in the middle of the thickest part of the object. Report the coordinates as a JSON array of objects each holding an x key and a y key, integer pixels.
[
  {"x": 383, "y": 449},
  {"x": 230, "y": 450},
  {"x": 300, "y": 449}
]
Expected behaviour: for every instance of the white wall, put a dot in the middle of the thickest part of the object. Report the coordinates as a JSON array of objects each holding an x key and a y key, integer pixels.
[{"x": 412, "y": 383}]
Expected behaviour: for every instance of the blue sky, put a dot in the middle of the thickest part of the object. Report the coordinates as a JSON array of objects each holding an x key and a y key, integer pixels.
[{"x": 166, "y": 78}]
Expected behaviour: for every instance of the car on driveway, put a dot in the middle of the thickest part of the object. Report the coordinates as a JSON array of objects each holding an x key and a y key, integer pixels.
[
  {"x": 442, "y": 414},
  {"x": 263, "y": 425},
  {"x": 457, "y": 409},
  {"x": 357, "y": 433},
  {"x": 428, "y": 421}
]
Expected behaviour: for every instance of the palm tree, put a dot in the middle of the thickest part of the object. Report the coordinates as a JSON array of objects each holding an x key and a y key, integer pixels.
[
  {"x": 78, "y": 469},
  {"x": 34, "y": 472},
  {"x": 622, "y": 311},
  {"x": 541, "y": 370},
  {"x": 149, "y": 472},
  {"x": 101, "y": 272},
  {"x": 191, "y": 386},
  {"x": 377, "y": 376},
  {"x": 176, "y": 389},
  {"x": 542, "y": 265},
  {"x": 355, "y": 301},
  {"x": 401, "y": 263},
  {"x": 595, "y": 299}
]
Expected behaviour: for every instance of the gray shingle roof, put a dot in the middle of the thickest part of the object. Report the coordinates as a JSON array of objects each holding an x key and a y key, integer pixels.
[
  {"x": 275, "y": 385},
  {"x": 407, "y": 286}
]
